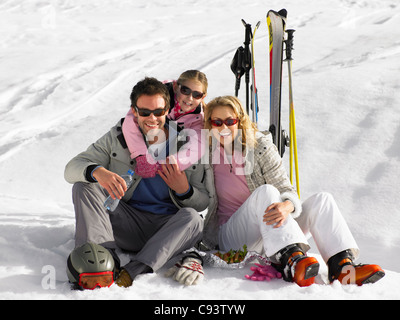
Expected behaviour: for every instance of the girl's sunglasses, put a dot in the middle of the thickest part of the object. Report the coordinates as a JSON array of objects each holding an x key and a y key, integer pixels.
[
  {"x": 187, "y": 91},
  {"x": 147, "y": 112},
  {"x": 228, "y": 122}
]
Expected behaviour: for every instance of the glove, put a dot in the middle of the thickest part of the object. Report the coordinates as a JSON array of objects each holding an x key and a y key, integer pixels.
[
  {"x": 262, "y": 273},
  {"x": 146, "y": 169},
  {"x": 188, "y": 272},
  {"x": 124, "y": 279}
]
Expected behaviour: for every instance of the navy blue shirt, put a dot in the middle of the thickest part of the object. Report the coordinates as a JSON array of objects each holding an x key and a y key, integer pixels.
[{"x": 152, "y": 194}]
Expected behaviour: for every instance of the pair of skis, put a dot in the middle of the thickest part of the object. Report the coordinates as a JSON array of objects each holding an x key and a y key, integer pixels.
[
  {"x": 244, "y": 61},
  {"x": 276, "y": 24}
]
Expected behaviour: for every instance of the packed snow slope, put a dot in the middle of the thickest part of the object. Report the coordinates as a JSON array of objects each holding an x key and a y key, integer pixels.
[{"x": 67, "y": 69}]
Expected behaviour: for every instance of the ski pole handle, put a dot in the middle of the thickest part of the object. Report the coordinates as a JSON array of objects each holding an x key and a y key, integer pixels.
[{"x": 289, "y": 44}]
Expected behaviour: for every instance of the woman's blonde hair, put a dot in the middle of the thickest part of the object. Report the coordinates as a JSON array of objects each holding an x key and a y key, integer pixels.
[
  {"x": 194, "y": 75},
  {"x": 248, "y": 128}
]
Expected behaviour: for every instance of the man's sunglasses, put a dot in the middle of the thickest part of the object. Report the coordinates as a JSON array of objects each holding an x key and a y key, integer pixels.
[
  {"x": 187, "y": 91},
  {"x": 228, "y": 122},
  {"x": 147, "y": 112}
]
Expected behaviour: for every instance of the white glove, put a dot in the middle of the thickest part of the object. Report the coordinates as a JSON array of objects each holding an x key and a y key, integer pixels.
[{"x": 188, "y": 272}]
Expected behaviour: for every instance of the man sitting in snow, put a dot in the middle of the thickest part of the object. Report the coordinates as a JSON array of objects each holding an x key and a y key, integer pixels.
[{"x": 158, "y": 217}]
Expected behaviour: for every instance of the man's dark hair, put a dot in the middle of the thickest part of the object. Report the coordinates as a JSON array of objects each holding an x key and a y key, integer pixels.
[{"x": 150, "y": 87}]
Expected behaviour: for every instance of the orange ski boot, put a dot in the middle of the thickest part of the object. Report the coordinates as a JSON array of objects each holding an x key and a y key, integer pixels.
[
  {"x": 342, "y": 268},
  {"x": 297, "y": 267}
]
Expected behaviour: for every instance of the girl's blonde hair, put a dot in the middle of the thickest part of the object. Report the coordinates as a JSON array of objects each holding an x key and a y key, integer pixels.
[
  {"x": 194, "y": 75},
  {"x": 248, "y": 128}
]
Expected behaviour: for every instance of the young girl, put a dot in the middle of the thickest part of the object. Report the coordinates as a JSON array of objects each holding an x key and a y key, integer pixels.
[
  {"x": 186, "y": 108},
  {"x": 261, "y": 209}
]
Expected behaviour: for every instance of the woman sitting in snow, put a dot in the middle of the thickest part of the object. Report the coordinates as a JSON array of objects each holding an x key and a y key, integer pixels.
[{"x": 258, "y": 206}]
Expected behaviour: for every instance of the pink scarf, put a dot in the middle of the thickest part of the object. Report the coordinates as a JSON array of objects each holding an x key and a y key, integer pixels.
[{"x": 177, "y": 112}]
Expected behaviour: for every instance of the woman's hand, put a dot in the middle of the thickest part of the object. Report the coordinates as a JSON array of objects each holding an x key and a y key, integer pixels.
[{"x": 277, "y": 213}]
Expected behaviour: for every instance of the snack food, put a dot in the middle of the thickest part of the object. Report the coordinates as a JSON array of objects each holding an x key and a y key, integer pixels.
[{"x": 232, "y": 256}]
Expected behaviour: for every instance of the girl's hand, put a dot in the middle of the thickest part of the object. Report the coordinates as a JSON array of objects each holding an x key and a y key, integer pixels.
[
  {"x": 173, "y": 176},
  {"x": 277, "y": 213}
]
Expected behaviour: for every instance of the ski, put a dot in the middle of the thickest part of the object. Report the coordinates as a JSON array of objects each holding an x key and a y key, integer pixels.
[
  {"x": 276, "y": 25},
  {"x": 254, "y": 98}
]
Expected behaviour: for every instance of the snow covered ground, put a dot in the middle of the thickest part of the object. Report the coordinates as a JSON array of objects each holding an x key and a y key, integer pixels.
[{"x": 67, "y": 69}]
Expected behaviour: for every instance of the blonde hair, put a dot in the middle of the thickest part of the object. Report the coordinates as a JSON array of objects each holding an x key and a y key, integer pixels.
[
  {"x": 190, "y": 75},
  {"x": 248, "y": 128}
]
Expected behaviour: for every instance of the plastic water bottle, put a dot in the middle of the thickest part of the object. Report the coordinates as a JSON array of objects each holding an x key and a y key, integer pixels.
[{"x": 110, "y": 204}]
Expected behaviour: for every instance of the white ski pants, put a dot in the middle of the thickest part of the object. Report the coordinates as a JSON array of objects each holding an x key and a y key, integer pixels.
[{"x": 320, "y": 219}]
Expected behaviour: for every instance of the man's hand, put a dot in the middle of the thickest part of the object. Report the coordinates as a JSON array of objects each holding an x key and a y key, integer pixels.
[
  {"x": 112, "y": 182},
  {"x": 173, "y": 176}
]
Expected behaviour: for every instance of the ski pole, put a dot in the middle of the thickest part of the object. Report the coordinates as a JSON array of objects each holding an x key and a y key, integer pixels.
[
  {"x": 292, "y": 123},
  {"x": 247, "y": 62}
]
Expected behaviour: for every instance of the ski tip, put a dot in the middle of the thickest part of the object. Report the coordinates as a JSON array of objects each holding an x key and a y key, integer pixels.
[{"x": 283, "y": 13}]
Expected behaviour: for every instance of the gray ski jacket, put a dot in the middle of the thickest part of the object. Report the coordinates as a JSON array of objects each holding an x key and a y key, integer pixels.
[{"x": 111, "y": 152}]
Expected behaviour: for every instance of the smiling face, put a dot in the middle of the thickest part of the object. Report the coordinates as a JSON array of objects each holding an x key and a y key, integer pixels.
[
  {"x": 243, "y": 131},
  {"x": 225, "y": 134},
  {"x": 187, "y": 102},
  {"x": 151, "y": 125}
]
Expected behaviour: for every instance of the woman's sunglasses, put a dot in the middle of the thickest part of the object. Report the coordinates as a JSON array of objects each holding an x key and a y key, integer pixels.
[
  {"x": 147, "y": 112},
  {"x": 228, "y": 122},
  {"x": 187, "y": 91}
]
